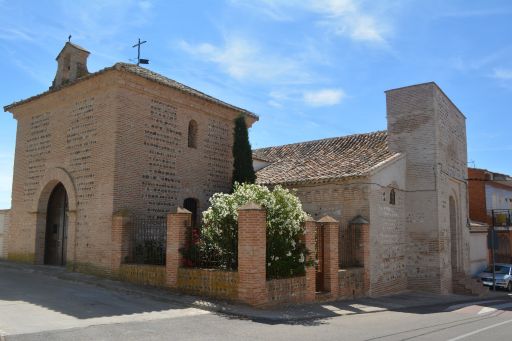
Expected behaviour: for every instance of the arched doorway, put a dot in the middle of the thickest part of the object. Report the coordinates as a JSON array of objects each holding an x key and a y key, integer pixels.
[
  {"x": 191, "y": 204},
  {"x": 56, "y": 227},
  {"x": 454, "y": 234}
]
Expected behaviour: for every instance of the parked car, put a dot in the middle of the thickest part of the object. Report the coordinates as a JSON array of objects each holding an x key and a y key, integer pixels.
[{"x": 503, "y": 276}]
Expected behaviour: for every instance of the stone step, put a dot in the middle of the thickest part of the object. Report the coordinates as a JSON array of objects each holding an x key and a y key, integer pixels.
[{"x": 464, "y": 284}]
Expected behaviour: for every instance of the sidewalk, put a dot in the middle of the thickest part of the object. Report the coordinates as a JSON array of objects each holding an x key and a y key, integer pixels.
[{"x": 290, "y": 313}]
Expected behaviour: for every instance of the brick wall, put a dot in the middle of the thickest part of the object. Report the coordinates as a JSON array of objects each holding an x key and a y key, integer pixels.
[
  {"x": 343, "y": 201},
  {"x": 387, "y": 233},
  {"x": 287, "y": 290},
  {"x": 5, "y": 221},
  {"x": 65, "y": 132},
  {"x": 352, "y": 283},
  {"x": 425, "y": 125},
  {"x": 153, "y": 275},
  {"x": 209, "y": 282},
  {"x": 153, "y": 125},
  {"x": 476, "y": 192}
]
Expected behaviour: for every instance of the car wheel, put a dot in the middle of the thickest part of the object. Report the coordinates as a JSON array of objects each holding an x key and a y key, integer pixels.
[{"x": 509, "y": 286}]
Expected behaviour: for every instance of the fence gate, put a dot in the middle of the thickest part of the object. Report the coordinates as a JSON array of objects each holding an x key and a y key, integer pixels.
[
  {"x": 319, "y": 241},
  {"x": 503, "y": 253}
]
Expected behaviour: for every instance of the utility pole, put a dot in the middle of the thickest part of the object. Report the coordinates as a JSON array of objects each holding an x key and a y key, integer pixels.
[
  {"x": 492, "y": 253},
  {"x": 139, "y": 60}
]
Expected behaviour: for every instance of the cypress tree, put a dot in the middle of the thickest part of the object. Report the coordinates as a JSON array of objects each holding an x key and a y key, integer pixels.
[{"x": 243, "y": 171}]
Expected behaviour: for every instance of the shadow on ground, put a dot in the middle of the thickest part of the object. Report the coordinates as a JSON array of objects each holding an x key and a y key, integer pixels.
[
  {"x": 87, "y": 297},
  {"x": 72, "y": 298}
]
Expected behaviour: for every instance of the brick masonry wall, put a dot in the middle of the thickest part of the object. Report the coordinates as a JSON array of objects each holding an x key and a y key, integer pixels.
[
  {"x": 152, "y": 124},
  {"x": 209, "y": 282},
  {"x": 153, "y": 275},
  {"x": 351, "y": 283},
  {"x": 286, "y": 290},
  {"x": 5, "y": 221},
  {"x": 343, "y": 200},
  {"x": 425, "y": 125},
  {"x": 452, "y": 173},
  {"x": 388, "y": 243},
  {"x": 476, "y": 193},
  {"x": 71, "y": 130}
]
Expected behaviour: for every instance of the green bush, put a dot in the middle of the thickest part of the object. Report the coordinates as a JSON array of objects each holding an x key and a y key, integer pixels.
[{"x": 286, "y": 253}]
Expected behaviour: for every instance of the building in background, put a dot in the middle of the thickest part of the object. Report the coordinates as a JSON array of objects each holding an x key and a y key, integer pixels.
[
  {"x": 5, "y": 221},
  {"x": 490, "y": 191}
]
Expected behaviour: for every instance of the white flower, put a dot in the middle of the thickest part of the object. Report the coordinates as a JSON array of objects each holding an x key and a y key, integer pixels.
[
  {"x": 289, "y": 253},
  {"x": 301, "y": 259}
]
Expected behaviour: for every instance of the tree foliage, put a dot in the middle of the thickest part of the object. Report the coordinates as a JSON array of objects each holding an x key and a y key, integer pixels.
[{"x": 243, "y": 171}]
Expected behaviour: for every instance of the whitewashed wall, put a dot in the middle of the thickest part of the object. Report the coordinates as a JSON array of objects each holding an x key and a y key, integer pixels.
[{"x": 478, "y": 253}]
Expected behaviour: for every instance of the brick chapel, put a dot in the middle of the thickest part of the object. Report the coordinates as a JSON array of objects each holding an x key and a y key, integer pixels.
[
  {"x": 128, "y": 139},
  {"x": 122, "y": 138}
]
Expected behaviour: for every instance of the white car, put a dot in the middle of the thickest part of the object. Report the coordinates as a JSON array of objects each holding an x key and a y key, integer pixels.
[{"x": 503, "y": 276}]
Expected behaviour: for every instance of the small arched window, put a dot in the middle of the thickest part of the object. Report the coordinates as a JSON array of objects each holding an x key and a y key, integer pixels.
[
  {"x": 392, "y": 197},
  {"x": 192, "y": 134}
]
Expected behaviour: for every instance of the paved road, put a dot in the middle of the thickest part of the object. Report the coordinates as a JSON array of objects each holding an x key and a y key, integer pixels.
[{"x": 34, "y": 306}]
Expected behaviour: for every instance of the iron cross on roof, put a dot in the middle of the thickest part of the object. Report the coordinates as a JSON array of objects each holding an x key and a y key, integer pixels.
[{"x": 139, "y": 60}]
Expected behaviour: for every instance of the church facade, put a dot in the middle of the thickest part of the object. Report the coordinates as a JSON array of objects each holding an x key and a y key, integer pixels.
[
  {"x": 126, "y": 139},
  {"x": 121, "y": 139},
  {"x": 407, "y": 182}
]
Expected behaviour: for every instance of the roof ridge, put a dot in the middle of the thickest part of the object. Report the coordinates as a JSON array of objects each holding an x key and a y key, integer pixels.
[
  {"x": 137, "y": 71},
  {"x": 324, "y": 139}
]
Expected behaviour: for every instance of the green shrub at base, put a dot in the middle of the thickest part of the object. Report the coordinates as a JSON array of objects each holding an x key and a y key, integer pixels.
[{"x": 286, "y": 253}]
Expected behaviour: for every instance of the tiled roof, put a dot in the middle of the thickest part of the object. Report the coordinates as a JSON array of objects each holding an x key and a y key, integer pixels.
[
  {"x": 145, "y": 73},
  {"x": 323, "y": 160}
]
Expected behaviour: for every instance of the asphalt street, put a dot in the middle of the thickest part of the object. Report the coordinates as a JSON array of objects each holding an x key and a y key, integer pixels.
[{"x": 34, "y": 306}]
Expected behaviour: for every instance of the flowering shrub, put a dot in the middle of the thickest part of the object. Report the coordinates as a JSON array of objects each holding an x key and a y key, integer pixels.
[{"x": 286, "y": 252}]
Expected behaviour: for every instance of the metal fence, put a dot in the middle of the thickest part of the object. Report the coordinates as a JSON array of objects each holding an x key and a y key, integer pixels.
[
  {"x": 221, "y": 254},
  {"x": 349, "y": 244},
  {"x": 149, "y": 241}
]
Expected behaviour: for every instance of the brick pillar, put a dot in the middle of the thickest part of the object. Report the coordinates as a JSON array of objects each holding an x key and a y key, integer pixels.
[
  {"x": 252, "y": 241},
  {"x": 309, "y": 239},
  {"x": 331, "y": 255},
  {"x": 122, "y": 223},
  {"x": 177, "y": 223}
]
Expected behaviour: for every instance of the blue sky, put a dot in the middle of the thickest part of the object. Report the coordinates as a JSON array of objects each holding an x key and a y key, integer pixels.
[{"x": 310, "y": 69}]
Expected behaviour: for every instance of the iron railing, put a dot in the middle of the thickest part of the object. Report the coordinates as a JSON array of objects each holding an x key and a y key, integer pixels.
[
  {"x": 149, "y": 241},
  {"x": 350, "y": 237},
  {"x": 501, "y": 218},
  {"x": 199, "y": 253}
]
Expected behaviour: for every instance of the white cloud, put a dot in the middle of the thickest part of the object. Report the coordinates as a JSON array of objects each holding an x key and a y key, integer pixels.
[
  {"x": 15, "y": 34},
  {"x": 503, "y": 74},
  {"x": 245, "y": 60},
  {"x": 346, "y": 18},
  {"x": 341, "y": 17},
  {"x": 324, "y": 97},
  {"x": 268, "y": 8}
]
